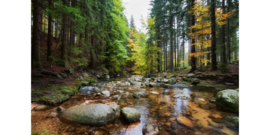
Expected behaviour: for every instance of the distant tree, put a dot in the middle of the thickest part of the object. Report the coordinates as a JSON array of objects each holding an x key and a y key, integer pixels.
[{"x": 132, "y": 23}]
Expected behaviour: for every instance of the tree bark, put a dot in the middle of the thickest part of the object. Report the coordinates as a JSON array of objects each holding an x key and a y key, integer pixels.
[
  {"x": 49, "y": 38},
  {"x": 193, "y": 59},
  {"x": 228, "y": 35},
  {"x": 213, "y": 35},
  {"x": 37, "y": 29},
  {"x": 223, "y": 58},
  {"x": 65, "y": 37},
  {"x": 171, "y": 40}
]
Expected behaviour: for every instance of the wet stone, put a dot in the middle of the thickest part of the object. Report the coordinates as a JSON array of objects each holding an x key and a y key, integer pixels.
[
  {"x": 150, "y": 130},
  {"x": 52, "y": 115},
  {"x": 130, "y": 114},
  {"x": 203, "y": 104},
  {"x": 139, "y": 94},
  {"x": 185, "y": 121},
  {"x": 41, "y": 108}
]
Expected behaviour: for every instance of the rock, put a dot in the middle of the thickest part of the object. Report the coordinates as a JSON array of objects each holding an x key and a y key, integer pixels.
[
  {"x": 166, "y": 85},
  {"x": 113, "y": 105},
  {"x": 185, "y": 121},
  {"x": 154, "y": 92},
  {"x": 165, "y": 80},
  {"x": 126, "y": 94},
  {"x": 117, "y": 97},
  {"x": 228, "y": 100},
  {"x": 93, "y": 114},
  {"x": 139, "y": 94},
  {"x": 132, "y": 82},
  {"x": 63, "y": 75},
  {"x": 41, "y": 108},
  {"x": 107, "y": 76},
  {"x": 166, "y": 92},
  {"x": 106, "y": 93},
  {"x": 85, "y": 75},
  {"x": 190, "y": 75},
  {"x": 47, "y": 72},
  {"x": 182, "y": 96},
  {"x": 87, "y": 90},
  {"x": 233, "y": 119},
  {"x": 203, "y": 104},
  {"x": 150, "y": 130},
  {"x": 98, "y": 75},
  {"x": 198, "y": 73},
  {"x": 130, "y": 114},
  {"x": 172, "y": 80},
  {"x": 229, "y": 84},
  {"x": 68, "y": 71},
  {"x": 52, "y": 115},
  {"x": 195, "y": 81},
  {"x": 151, "y": 84},
  {"x": 186, "y": 78},
  {"x": 159, "y": 79},
  {"x": 120, "y": 91},
  {"x": 84, "y": 83},
  {"x": 80, "y": 78}
]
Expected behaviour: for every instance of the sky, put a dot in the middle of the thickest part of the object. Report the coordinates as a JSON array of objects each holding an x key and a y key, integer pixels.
[{"x": 137, "y": 8}]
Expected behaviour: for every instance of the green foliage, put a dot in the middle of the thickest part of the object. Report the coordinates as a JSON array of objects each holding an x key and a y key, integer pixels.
[
  {"x": 90, "y": 80},
  {"x": 143, "y": 49}
]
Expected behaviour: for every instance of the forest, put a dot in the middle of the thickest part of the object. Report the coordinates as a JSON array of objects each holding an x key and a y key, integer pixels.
[
  {"x": 94, "y": 71},
  {"x": 97, "y": 35}
]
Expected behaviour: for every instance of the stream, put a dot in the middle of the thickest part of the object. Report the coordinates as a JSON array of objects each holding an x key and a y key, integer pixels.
[{"x": 161, "y": 108}]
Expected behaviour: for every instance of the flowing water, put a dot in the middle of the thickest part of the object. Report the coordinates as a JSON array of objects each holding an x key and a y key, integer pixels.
[{"x": 158, "y": 109}]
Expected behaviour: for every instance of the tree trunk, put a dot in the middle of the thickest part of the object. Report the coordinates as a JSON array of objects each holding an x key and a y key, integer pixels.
[
  {"x": 49, "y": 40},
  {"x": 193, "y": 59},
  {"x": 223, "y": 58},
  {"x": 213, "y": 35},
  {"x": 37, "y": 28},
  {"x": 228, "y": 35},
  {"x": 65, "y": 37},
  {"x": 158, "y": 54},
  {"x": 171, "y": 41}
]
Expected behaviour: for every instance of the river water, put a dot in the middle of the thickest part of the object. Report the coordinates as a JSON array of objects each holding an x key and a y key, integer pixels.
[{"x": 160, "y": 109}]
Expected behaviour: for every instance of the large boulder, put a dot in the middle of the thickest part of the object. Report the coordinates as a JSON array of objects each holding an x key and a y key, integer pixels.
[
  {"x": 130, "y": 114},
  {"x": 228, "y": 100},
  {"x": 93, "y": 114},
  {"x": 139, "y": 94}
]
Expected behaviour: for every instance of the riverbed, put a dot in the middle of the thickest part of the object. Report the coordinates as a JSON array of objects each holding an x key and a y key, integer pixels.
[{"x": 172, "y": 110}]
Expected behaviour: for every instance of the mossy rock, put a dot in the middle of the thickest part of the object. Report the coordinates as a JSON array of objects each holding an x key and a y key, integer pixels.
[
  {"x": 228, "y": 100},
  {"x": 54, "y": 98}
]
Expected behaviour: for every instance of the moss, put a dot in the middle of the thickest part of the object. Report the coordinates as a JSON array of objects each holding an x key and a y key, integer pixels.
[
  {"x": 90, "y": 80},
  {"x": 54, "y": 98},
  {"x": 222, "y": 104}
]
